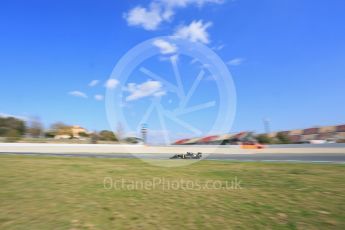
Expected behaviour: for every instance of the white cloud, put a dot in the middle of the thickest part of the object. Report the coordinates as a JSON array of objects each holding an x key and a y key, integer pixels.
[
  {"x": 159, "y": 93},
  {"x": 111, "y": 84},
  {"x": 195, "y": 32},
  {"x": 160, "y": 11},
  {"x": 98, "y": 97},
  {"x": 184, "y": 3},
  {"x": 149, "y": 18},
  {"x": 77, "y": 94},
  {"x": 236, "y": 61},
  {"x": 164, "y": 46},
  {"x": 148, "y": 88},
  {"x": 93, "y": 83}
]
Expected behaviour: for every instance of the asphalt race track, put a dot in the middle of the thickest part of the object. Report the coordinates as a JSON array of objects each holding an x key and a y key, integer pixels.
[
  {"x": 293, "y": 157},
  {"x": 265, "y": 157},
  {"x": 328, "y": 153}
]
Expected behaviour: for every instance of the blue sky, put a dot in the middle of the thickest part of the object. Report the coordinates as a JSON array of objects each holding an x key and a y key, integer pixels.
[{"x": 287, "y": 58}]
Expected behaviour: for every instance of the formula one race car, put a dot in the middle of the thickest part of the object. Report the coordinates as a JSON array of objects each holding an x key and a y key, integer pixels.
[{"x": 188, "y": 155}]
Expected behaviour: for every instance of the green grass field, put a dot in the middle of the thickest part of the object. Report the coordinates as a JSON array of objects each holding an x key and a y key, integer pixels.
[{"x": 69, "y": 193}]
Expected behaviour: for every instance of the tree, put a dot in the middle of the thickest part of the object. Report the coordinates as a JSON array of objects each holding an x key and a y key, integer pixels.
[
  {"x": 49, "y": 134},
  {"x": 283, "y": 138},
  {"x": 10, "y": 127},
  {"x": 3, "y": 131},
  {"x": 12, "y": 136},
  {"x": 35, "y": 128},
  {"x": 60, "y": 128},
  {"x": 94, "y": 138},
  {"x": 106, "y": 135},
  {"x": 263, "y": 139},
  {"x": 83, "y": 134},
  {"x": 132, "y": 140},
  {"x": 16, "y": 124}
]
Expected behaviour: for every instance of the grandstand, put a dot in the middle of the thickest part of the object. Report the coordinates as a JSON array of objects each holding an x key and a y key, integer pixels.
[
  {"x": 308, "y": 135},
  {"x": 322, "y": 133},
  {"x": 225, "y": 139}
]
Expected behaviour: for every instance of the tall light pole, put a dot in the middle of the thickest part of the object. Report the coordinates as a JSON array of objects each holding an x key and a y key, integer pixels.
[{"x": 144, "y": 133}]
